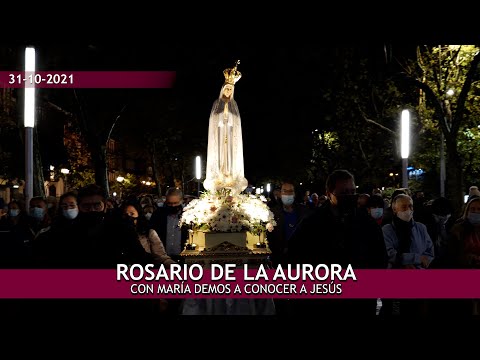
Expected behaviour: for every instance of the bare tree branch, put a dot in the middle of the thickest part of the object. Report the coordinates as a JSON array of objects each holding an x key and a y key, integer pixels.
[
  {"x": 467, "y": 85},
  {"x": 58, "y": 108},
  {"x": 374, "y": 122},
  {"x": 363, "y": 153},
  {"x": 442, "y": 121}
]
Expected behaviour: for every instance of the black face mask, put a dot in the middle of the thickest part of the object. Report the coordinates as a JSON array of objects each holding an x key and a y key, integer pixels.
[
  {"x": 173, "y": 209},
  {"x": 347, "y": 204},
  {"x": 91, "y": 218},
  {"x": 131, "y": 220}
]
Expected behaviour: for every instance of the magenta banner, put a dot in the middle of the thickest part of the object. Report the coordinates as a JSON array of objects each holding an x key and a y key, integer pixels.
[
  {"x": 102, "y": 284},
  {"x": 88, "y": 79}
]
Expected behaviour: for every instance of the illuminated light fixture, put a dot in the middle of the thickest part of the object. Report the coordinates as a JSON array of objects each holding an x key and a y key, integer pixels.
[
  {"x": 198, "y": 168},
  {"x": 405, "y": 151}
]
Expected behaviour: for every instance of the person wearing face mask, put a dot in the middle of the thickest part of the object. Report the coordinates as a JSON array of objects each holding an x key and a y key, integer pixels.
[
  {"x": 47, "y": 248},
  {"x": 439, "y": 221},
  {"x": 148, "y": 212},
  {"x": 287, "y": 213},
  {"x": 68, "y": 206},
  {"x": 336, "y": 233},
  {"x": 39, "y": 219},
  {"x": 408, "y": 243},
  {"x": 375, "y": 208},
  {"x": 14, "y": 215},
  {"x": 464, "y": 244},
  {"x": 15, "y": 238},
  {"x": 146, "y": 236},
  {"x": 95, "y": 240},
  {"x": 409, "y": 246},
  {"x": 165, "y": 221},
  {"x": 464, "y": 250}
]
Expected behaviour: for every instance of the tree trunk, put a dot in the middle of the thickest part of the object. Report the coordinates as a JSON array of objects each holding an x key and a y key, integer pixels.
[
  {"x": 100, "y": 166},
  {"x": 454, "y": 177},
  {"x": 38, "y": 179},
  {"x": 154, "y": 169}
]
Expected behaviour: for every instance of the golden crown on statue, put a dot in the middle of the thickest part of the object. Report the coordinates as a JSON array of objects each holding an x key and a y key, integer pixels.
[{"x": 232, "y": 75}]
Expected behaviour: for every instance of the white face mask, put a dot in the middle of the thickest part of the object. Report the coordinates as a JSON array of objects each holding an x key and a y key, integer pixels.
[
  {"x": 70, "y": 213},
  {"x": 14, "y": 212},
  {"x": 405, "y": 215},
  {"x": 148, "y": 216},
  {"x": 376, "y": 213},
  {"x": 37, "y": 213},
  {"x": 288, "y": 199}
]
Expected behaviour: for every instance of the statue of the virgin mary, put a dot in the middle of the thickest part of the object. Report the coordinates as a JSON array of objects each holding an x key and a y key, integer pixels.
[{"x": 225, "y": 145}]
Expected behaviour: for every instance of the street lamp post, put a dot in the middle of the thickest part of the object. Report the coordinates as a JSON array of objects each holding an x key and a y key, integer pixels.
[
  {"x": 120, "y": 180},
  {"x": 450, "y": 92},
  {"x": 105, "y": 150},
  {"x": 65, "y": 172},
  {"x": 29, "y": 121},
  {"x": 198, "y": 173},
  {"x": 405, "y": 149}
]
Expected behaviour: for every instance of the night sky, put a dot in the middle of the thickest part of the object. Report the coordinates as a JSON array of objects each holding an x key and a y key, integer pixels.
[{"x": 277, "y": 96}]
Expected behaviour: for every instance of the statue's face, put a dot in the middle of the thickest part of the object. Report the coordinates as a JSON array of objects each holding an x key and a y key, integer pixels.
[{"x": 227, "y": 91}]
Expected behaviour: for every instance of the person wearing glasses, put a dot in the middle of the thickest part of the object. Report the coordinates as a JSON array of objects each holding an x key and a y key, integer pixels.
[{"x": 68, "y": 207}]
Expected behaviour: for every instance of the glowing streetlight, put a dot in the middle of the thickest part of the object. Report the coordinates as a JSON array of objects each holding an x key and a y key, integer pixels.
[
  {"x": 29, "y": 121},
  {"x": 65, "y": 172},
  {"x": 120, "y": 179},
  {"x": 198, "y": 172},
  {"x": 268, "y": 188},
  {"x": 450, "y": 92},
  {"x": 405, "y": 149}
]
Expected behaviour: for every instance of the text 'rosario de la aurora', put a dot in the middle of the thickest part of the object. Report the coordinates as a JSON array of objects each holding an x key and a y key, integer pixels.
[{"x": 229, "y": 272}]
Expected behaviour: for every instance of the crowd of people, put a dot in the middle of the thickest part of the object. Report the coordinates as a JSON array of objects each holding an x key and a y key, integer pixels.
[
  {"x": 369, "y": 231},
  {"x": 372, "y": 231},
  {"x": 88, "y": 231}
]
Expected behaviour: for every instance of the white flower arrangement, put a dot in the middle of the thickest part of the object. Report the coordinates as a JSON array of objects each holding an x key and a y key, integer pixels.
[{"x": 222, "y": 212}]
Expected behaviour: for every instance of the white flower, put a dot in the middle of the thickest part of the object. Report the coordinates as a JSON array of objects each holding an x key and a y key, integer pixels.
[{"x": 228, "y": 213}]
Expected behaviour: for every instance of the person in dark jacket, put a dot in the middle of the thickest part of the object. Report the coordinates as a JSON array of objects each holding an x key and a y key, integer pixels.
[
  {"x": 165, "y": 221},
  {"x": 337, "y": 233},
  {"x": 288, "y": 213}
]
